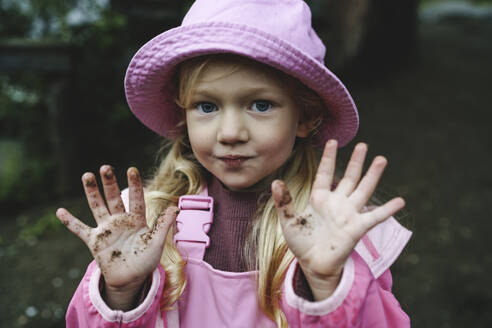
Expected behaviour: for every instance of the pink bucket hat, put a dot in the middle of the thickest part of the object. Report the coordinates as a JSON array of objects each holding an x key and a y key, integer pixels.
[{"x": 277, "y": 33}]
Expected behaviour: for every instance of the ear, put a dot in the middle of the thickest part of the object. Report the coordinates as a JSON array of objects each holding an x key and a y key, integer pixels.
[{"x": 304, "y": 128}]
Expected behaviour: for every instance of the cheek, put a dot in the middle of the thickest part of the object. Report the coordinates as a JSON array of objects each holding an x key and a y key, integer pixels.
[
  {"x": 197, "y": 136},
  {"x": 278, "y": 142}
]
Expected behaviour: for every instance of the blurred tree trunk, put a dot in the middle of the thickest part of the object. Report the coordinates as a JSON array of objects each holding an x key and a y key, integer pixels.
[{"x": 54, "y": 101}]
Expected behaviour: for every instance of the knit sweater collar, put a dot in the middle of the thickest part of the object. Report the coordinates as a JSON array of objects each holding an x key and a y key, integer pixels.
[{"x": 238, "y": 204}]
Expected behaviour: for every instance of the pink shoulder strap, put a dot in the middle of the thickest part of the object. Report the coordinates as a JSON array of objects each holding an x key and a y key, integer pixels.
[{"x": 193, "y": 223}]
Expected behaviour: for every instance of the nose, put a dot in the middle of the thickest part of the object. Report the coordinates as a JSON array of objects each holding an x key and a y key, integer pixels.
[{"x": 232, "y": 128}]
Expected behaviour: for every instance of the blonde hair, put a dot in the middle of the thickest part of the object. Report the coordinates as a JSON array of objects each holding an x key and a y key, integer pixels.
[{"x": 180, "y": 173}]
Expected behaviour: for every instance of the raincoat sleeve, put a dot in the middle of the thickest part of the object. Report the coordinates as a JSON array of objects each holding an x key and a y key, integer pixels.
[
  {"x": 88, "y": 309},
  {"x": 363, "y": 297}
]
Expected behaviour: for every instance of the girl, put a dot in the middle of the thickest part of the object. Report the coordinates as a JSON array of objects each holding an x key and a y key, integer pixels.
[{"x": 263, "y": 236}]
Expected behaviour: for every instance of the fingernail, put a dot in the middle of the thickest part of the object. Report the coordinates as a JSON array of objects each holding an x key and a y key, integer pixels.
[
  {"x": 89, "y": 180},
  {"x": 108, "y": 172},
  {"x": 134, "y": 171},
  {"x": 381, "y": 160},
  {"x": 361, "y": 145},
  {"x": 285, "y": 195}
]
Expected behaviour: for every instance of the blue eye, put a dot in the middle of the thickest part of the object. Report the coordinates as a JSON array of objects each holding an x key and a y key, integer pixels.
[
  {"x": 261, "y": 105},
  {"x": 206, "y": 107}
]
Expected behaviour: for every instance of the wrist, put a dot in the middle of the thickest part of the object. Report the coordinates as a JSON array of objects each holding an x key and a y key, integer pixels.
[
  {"x": 122, "y": 297},
  {"x": 322, "y": 286}
]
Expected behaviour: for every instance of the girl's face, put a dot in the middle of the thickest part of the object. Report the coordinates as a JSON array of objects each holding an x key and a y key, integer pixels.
[{"x": 241, "y": 124}]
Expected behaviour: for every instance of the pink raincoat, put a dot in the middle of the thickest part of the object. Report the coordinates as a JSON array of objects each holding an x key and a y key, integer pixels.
[{"x": 215, "y": 298}]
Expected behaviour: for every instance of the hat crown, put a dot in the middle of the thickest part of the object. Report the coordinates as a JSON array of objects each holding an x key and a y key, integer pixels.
[{"x": 288, "y": 20}]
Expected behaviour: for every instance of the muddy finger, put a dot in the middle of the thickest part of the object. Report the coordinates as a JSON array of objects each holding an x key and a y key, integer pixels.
[
  {"x": 137, "y": 202},
  {"x": 283, "y": 200},
  {"x": 74, "y": 225},
  {"x": 161, "y": 227},
  {"x": 111, "y": 190},
  {"x": 96, "y": 203}
]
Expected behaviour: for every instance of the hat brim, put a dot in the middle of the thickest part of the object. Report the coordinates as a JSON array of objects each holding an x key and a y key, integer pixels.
[{"x": 151, "y": 91}]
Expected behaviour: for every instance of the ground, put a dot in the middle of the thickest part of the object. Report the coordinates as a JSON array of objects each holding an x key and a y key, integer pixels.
[{"x": 432, "y": 121}]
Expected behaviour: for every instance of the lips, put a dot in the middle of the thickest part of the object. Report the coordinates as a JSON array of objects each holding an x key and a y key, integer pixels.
[
  {"x": 233, "y": 160},
  {"x": 233, "y": 157}
]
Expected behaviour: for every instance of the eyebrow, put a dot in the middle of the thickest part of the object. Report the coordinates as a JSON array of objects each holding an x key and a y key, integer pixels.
[{"x": 243, "y": 93}]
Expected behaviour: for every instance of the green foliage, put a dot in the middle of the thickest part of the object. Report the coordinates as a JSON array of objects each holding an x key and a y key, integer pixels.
[
  {"x": 48, "y": 222},
  {"x": 24, "y": 141},
  {"x": 10, "y": 167},
  {"x": 92, "y": 124},
  {"x": 46, "y": 19},
  {"x": 13, "y": 23},
  {"x": 25, "y": 97}
]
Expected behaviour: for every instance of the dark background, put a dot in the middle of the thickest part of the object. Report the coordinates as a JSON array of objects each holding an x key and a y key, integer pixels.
[{"x": 420, "y": 74}]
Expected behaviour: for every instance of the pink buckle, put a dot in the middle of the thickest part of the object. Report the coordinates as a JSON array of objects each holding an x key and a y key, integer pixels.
[{"x": 194, "y": 219}]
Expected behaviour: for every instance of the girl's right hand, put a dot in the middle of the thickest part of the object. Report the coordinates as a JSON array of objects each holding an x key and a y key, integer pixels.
[{"x": 124, "y": 247}]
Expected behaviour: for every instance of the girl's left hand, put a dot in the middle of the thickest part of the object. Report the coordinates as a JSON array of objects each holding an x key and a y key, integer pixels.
[{"x": 325, "y": 233}]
